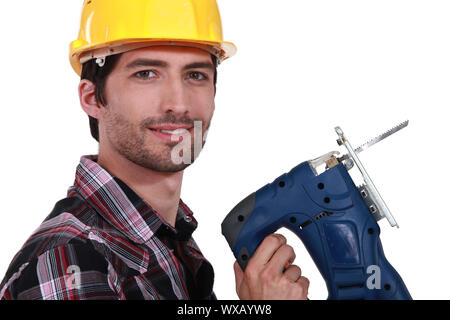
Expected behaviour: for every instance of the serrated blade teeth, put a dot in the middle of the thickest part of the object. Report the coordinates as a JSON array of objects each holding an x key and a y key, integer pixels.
[{"x": 381, "y": 136}]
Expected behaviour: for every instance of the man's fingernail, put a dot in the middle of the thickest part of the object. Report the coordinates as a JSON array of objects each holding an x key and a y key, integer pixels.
[{"x": 280, "y": 236}]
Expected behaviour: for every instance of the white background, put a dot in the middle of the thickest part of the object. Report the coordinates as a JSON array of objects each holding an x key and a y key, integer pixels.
[{"x": 302, "y": 68}]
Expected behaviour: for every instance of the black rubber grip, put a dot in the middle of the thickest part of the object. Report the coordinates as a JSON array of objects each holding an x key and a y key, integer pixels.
[{"x": 233, "y": 223}]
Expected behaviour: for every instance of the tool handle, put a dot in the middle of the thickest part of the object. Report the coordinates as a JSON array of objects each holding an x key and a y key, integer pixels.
[{"x": 232, "y": 226}]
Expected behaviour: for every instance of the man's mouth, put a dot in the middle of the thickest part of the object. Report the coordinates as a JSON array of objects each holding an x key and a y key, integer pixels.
[{"x": 173, "y": 133}]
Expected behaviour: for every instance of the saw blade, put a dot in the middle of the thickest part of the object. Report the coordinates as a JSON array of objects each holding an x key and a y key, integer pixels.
[{"x": 381, "y": 137}]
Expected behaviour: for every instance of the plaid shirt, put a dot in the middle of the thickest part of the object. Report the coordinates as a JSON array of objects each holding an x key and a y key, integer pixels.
[{"x": 104, "y": 242}]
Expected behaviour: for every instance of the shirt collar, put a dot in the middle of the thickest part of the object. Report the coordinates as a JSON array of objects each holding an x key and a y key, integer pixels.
[{"x": 118, "y": 204}]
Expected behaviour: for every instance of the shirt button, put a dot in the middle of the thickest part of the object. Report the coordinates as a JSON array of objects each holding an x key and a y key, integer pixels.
[{"x": 187, "y": 219}]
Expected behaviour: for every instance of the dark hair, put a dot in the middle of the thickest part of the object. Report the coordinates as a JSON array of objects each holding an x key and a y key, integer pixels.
[{"x": 98, "y": 76}]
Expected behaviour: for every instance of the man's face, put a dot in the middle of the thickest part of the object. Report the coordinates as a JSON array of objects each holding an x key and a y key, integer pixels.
[{"x": 153, "y": 96}]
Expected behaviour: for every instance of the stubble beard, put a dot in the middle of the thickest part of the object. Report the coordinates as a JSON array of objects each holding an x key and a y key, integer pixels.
[{"x": 131, "y": 142}]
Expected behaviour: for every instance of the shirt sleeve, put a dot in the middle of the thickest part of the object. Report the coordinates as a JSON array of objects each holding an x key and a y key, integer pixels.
[{"x": 69, "y": 272}]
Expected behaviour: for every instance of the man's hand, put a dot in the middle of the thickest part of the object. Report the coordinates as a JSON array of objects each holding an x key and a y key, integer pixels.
[{"x": 264, "y": 278}]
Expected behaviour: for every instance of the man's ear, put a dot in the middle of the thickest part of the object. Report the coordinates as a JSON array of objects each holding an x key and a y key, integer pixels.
[{"x": 88, "y": 101}]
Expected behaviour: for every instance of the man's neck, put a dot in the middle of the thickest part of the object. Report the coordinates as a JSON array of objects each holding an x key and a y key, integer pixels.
[{"x": 161, "y": 190}]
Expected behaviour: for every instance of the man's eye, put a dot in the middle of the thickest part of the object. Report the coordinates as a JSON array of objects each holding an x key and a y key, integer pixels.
[
  {"x": 197, "y": 75},
  {"x": 145, "y": 74}
]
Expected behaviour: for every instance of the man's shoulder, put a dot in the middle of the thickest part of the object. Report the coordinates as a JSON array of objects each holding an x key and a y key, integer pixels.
[
  {"x": 69, "y": 222},
  {"x": 72, "y": 204},
  {"x": 65, "y": 230}
]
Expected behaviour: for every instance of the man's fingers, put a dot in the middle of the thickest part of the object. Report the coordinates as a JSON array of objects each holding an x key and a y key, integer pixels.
[
  {"x": 293, "y": 273},
  {"x": 285, "y": 254},
  {"x": 304, "y": 282},
  {"x": 267, "y": 248}
]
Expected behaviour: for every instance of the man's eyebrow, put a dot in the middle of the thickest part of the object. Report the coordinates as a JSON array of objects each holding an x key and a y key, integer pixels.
[
  {"x": 146, "y": 63},
  {"x": 142, "y": 62},
  {"x": 200, "y": 65}
]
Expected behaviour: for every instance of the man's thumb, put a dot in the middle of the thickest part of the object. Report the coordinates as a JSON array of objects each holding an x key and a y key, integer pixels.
[{"x": 238, "y": 275}]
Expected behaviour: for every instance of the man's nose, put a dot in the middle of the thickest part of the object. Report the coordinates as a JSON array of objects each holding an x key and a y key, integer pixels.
[{"x": 175, "y": 97}]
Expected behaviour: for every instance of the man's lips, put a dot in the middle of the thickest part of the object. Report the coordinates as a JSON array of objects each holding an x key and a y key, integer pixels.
[
  {"x": 171, "y": 127},
  {"x": 170, "y": 132}
]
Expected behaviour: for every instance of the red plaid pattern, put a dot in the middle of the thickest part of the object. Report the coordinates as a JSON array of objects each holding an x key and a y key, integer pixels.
[{"x": 104, "y": 242}]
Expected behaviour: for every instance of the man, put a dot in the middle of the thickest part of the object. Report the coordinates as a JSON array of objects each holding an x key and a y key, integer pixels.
[{"x": 148, "y": 75}]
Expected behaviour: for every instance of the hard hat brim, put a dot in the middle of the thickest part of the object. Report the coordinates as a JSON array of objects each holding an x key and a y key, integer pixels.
[{"x": 81, "y": 51}]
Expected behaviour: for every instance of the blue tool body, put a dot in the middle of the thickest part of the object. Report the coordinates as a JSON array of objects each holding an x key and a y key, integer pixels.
[{"x": 329, "y": 215}]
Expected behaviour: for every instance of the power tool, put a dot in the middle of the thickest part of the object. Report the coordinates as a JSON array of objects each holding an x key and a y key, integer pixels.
[{"x": 335, "y": 220}]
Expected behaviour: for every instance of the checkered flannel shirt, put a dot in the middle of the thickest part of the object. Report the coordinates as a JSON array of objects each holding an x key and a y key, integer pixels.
[{"x": 104, "y": 242}]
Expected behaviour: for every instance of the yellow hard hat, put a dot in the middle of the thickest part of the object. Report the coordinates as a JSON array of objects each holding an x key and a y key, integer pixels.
[{"x": 115, "y": 26}]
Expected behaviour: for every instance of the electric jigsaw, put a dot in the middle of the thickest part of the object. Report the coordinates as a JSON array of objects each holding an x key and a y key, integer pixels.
[{"x": 335, "y": 220}]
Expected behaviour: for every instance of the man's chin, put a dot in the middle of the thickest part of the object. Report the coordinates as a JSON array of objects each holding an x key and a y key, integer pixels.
[
  {"x": 172, "y": 168},
  {"x": 166, "y": 165}
]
